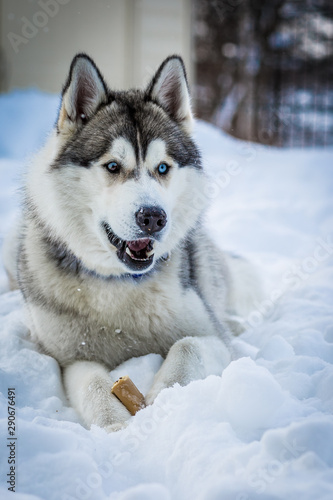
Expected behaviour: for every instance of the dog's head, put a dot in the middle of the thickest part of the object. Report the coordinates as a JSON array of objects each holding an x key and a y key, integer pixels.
[{"x": 123, "y": 172}]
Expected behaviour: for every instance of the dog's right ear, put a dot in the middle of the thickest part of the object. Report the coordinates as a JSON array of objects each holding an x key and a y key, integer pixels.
[{"x": 83, "y": 94}]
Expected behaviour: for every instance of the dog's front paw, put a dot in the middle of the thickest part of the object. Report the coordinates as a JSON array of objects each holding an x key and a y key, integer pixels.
[
  {"x": 118, "y": 426},
  {"x": 153, "y": 393}
]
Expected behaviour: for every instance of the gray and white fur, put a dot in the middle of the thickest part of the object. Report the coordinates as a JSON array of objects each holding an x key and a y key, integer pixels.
[{"x": 113, "y": 261}]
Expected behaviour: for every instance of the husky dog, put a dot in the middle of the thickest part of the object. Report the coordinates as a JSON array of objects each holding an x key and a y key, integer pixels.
[{"x": 113, "y": 261}]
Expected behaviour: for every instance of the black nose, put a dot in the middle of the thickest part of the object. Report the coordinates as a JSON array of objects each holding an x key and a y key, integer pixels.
[{"x": 151, "y": 219}]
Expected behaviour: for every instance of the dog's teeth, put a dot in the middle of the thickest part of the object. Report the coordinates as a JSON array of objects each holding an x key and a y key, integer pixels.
[{"x": 134, "y": 257}]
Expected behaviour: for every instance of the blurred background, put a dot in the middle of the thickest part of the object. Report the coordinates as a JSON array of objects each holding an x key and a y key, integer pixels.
[{"x": 262, "y": 70}]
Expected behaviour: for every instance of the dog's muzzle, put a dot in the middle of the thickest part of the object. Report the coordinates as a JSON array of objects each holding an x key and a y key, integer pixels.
[{"x": 138, "y": 255}]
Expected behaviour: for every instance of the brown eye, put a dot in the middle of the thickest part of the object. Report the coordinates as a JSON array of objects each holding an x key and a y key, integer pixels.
[{"x": 113, "y": 167}]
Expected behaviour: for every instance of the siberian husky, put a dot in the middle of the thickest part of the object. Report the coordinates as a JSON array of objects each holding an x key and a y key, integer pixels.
[{"x": 113, "y": 261}]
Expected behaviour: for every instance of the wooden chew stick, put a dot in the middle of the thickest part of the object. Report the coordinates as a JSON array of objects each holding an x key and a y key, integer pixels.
[{"x": 127, "y": 392}]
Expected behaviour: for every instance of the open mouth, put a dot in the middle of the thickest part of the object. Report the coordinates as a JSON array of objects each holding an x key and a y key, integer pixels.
[{"x": 137, "y": 254}]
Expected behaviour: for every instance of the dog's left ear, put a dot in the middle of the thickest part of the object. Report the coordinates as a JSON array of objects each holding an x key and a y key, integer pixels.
[
  {"x": 169, "y": 89},
  {"x": 84, "y": 92}
]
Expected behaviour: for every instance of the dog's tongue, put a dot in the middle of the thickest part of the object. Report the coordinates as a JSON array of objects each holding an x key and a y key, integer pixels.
[{"x": 138, "y": 245}]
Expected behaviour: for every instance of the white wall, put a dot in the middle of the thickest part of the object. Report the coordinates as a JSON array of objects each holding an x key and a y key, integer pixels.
[{"x": 127, "y": 38}]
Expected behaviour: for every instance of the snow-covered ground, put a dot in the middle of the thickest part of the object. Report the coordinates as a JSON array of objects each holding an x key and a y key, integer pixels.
[{"x": 264, "y": 429}]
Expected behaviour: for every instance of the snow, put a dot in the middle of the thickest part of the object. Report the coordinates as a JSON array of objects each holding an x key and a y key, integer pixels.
[{"x": 264, "y": 428}]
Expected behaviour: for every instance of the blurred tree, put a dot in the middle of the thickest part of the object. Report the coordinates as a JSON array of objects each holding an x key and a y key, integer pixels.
[{"x": 264, "y": 69}]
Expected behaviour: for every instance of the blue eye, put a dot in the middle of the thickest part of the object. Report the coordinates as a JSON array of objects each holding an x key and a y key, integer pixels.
[
  {"x": 113, "y": 167},
  {"x": 163, "y": 168}
]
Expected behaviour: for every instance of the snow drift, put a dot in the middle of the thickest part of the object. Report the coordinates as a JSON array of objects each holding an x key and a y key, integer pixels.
[{"x": 264, "y": 428}]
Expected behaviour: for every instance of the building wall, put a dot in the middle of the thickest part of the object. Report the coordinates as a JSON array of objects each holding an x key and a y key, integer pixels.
[{"x": 127, "y": 38}]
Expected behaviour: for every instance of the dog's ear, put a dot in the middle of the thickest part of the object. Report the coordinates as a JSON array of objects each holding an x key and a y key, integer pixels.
[
  {"x": 84, "y": 92},
  {"x": 169, "y": 89}
]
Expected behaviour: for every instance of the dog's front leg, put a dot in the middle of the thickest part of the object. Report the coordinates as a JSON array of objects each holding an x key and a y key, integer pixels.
[
  {"x": 190, "y": 358},
  {"x": 88, "y": 388}
]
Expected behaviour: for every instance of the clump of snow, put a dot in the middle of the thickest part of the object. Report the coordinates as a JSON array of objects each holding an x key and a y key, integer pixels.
[
  {"x": 261, "y": 430},
  {"x": 256, "y": 403}
]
